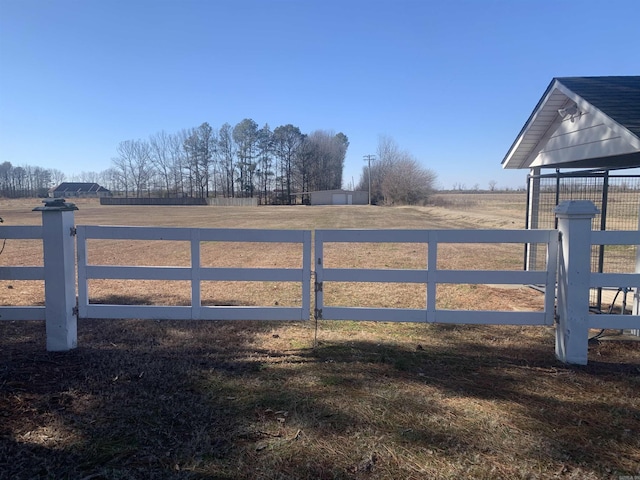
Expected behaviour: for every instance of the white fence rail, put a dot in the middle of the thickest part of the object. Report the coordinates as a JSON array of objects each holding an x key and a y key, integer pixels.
[
  {"x": 432, "y": 276},
  {"x": 26, "y": 232},
  {"x": 629, "y": 281},
  {"x": 194, "y": 273}
]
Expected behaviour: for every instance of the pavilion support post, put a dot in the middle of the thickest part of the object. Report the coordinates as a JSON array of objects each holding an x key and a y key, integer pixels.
[
  {"x": 533, "y": 202},
  {"x": 636, "y": 292}
]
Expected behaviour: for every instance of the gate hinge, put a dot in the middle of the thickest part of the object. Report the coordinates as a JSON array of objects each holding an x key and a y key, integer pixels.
[
  {"x": 75, "y": 311},
  {"x": 73, "y": 231},
  {"x": 318, "y": 286},
  {"x": 317, "y": 313}
]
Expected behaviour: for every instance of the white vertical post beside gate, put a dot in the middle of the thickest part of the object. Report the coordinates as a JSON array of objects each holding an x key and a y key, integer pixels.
[
  {"x": 575, "y": 279},
  {"x": 59, "y": 274},
  {"x": 572, "y": 331}
]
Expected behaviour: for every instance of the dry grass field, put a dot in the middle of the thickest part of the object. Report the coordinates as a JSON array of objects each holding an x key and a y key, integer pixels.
[{"x": 264, "y": 400}]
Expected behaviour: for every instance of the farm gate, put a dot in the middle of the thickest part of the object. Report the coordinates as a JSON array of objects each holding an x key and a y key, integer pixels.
[
  {"x": 195, "y": 273},
  {"x": 431, "y": 276},
  {"x": 566, "y": 276}
]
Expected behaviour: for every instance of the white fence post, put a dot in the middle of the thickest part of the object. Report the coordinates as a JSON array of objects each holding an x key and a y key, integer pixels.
[
  {"x": 572, "y": 331},
  {"x": 59, "y": 274}
]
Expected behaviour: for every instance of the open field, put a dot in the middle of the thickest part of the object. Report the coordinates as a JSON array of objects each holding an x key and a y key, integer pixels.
[
  {"x": 166, "y": 253},
  {"x": 224, "y": 400}
]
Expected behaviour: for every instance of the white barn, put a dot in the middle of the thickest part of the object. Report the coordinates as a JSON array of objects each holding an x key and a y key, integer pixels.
[{"x": 339, "y": 197}]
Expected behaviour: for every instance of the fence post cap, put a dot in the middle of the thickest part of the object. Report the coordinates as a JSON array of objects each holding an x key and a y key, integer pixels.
[
  {"x": 55, "y": 205},
  {"x": 581, "y": 208}
]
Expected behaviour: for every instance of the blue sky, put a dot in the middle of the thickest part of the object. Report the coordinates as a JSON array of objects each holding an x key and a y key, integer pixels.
[{"x": 452, "y": 81}]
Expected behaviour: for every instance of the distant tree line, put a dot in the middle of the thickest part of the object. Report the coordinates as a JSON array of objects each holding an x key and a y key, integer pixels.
[
  {"x": 475, "y": 188},
  {"x": 233, "y": 161},
  {"x": 244, "y": 160},
  {"x": 396, "y": 177},
  {"x": 27, "y": 181}
]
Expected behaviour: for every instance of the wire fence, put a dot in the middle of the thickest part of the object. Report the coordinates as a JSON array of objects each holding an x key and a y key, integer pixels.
[{"x": 617, "y": 198}]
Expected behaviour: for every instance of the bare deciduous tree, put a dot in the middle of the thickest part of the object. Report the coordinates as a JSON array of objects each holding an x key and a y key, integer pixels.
[
  {"x": 57, "y": 177},
  {"x": 135, "y": 161},
  {"x": 161, "y": 158},
  {"x": 397, "y": 178},
  {"x": 407, "y": 183}
]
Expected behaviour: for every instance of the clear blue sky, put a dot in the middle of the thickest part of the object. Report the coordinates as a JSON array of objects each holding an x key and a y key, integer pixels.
[{"x": 451, "y": 81}]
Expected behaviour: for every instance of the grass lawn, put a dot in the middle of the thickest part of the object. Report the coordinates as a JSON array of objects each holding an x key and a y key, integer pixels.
[{"x": 300, "y": 400}]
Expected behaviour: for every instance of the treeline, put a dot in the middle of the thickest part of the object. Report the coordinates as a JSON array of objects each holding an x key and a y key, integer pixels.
[
  {"x": 240, "y": 161},
  {"x": 27, "y": 181}
]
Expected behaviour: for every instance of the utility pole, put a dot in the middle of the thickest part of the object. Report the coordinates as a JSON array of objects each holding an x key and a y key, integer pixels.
[{"x": 368, "y": 158}]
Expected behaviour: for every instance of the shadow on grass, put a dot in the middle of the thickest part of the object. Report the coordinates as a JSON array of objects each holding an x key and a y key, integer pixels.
[
  {"x": 117, "y": 299},
  {"x": 217, "y": 400}
]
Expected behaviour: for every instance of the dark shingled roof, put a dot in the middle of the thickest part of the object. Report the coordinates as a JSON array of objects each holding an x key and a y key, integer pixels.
[
  {"x": 617, "y": 97},
  {"x": 79, "y": 187}
]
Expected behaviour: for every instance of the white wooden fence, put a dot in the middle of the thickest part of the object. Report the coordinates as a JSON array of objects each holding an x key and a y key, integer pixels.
[
  {"x": 194, "y": 273},
  {"x": 21, "y": 273},
  {"x": 616, "y": 280},
  {"x": 567, "y": 248},
  {"x": 431, "y": 276}
]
